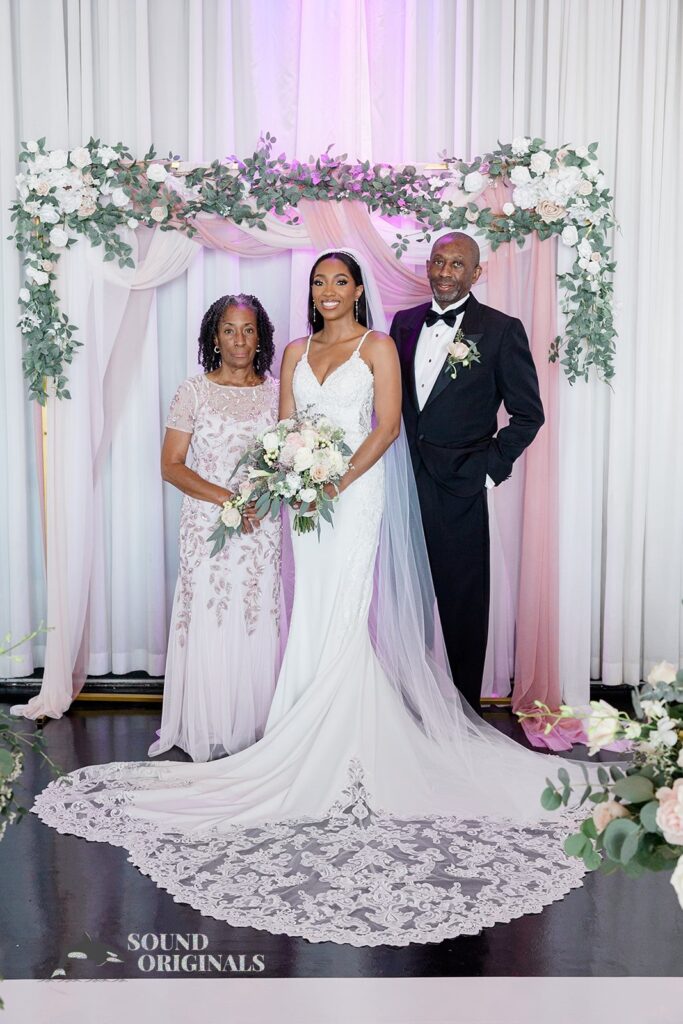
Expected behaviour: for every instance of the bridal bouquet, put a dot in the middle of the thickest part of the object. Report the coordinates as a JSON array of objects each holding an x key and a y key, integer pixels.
[
  {"x": 291, "y": 464},
  {"x": 637, "y": 818}
]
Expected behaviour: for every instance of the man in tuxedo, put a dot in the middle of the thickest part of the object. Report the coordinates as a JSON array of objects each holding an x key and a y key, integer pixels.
[{"x": 451, "y": 428}]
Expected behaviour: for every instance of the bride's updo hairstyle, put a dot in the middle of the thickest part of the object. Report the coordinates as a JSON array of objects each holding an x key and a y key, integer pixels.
[
  {"x": 354, "y": 270},
  {"x": 211, "y": 360}
]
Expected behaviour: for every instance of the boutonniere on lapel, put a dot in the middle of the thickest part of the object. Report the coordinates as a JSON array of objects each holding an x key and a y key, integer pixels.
[{"x": 461, "y": 354}]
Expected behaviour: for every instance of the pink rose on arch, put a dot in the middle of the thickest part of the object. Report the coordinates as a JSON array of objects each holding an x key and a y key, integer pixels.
[{"x": 669, "y": 815}]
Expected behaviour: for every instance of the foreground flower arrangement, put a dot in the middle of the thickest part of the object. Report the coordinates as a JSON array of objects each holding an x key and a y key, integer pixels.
[
  {"x": 637, "y": 820},
  {"x": 294, "y": 464},
  {"x": 98, "y": 191}
]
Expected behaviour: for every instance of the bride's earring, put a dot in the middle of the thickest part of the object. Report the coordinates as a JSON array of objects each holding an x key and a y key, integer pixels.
[
  {"x": 355, "y": 307},
  {"x": 315, "y": 314}
]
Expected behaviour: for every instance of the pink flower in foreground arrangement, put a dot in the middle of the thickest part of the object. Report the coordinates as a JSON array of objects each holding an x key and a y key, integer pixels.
[
  {"x": 608, "y": 811},
  {"x": 669, "y": 815}
]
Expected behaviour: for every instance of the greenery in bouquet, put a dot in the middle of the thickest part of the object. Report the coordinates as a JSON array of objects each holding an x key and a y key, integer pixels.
[
  {"x": 297, "y": 463},
  {"x": 636, "y": 823},
  {"x": 13, "y": 745}
]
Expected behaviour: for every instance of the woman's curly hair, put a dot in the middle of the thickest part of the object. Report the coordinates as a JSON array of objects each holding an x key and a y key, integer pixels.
[{"x": 211, "y": 360}]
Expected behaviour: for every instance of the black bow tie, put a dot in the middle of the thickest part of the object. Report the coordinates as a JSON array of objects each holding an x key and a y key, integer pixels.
[{"x": 448, "y": 318}]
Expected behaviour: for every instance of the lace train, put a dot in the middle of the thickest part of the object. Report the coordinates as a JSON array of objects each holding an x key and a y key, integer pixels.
[{"x": 357, "y": 876}]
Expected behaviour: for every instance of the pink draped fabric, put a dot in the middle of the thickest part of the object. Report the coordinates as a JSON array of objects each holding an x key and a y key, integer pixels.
[{"x": 526, "y": 288}]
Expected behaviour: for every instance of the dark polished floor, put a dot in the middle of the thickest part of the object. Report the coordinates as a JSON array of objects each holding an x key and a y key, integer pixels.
[{"x": 55, "y": 889}]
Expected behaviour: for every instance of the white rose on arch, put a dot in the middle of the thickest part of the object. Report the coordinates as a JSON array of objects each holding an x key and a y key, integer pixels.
[
  {"x": 106, "y": 154},
  {"x": 508, "y": 209},
  {"x": 80, "y": 157},
  {"x": 157, "y": 172},
  {"x": 520, "y": 175},
  {"x": 474, "y": 181},
  {"x": 37, "y": 276},
  {"x": 570, "y": 235},
  {"x": 57, "y": 158},
  {"x": 540, "y": 162},
  {"x": 520, "y": 145},
  {"x": 58, "y": 237},
  {"x": 525, "y": 196},
  {"x": 584, "y": 249},
  {"x": 49, "y": 214},
  {"x": 158, "y": 213},
  {"x": 119, "y": 198}
]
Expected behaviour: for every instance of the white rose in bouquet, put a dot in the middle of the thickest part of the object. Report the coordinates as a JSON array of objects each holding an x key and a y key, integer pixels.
[
  {"x": 231, "y": 517},
  {"x": 119, "y": 198},
  {"x": 80, "y": 157},
  {"x": 474, "y": 182},
  {"x": 308, "y": 494},
  {"x": 540, "y": 162},
  {"x": 662, "y": 672},
  {"x": 58, "y": 238},
  {"x": 303, "y": 460},
  {"x": 57, "y": 158},
  {"x": 157, "y": 172},
  {"x": 570, "y": 235},
  {"x": 320, "y": 471},
  {"x": 293, "y": 482},
  {"x": 520, "y": 175},
  {"x": 336, "y": 461},
  {"x": 271, "y": 442}
]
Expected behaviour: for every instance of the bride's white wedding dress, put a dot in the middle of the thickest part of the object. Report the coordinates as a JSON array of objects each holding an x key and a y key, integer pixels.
[{"x": 346, "y": 822}]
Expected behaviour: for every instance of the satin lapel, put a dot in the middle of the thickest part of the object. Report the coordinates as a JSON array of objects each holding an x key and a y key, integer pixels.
[
  {"x": 471, "y": 329},
  {"x": 411, "y": 336}
]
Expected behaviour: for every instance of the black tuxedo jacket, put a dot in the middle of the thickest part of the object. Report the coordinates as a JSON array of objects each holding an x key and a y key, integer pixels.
[{"x": 453, "y": 436}]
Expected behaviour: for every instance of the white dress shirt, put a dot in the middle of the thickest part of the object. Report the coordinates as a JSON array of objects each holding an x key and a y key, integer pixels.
[{"x": 431, "y": 352}]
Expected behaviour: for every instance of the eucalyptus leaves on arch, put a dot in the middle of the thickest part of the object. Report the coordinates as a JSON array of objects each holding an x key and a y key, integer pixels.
[{"x": 95, "y": 189}]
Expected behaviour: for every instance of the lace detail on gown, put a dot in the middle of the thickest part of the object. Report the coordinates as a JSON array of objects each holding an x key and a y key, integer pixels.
[
  {"x": 345, "y": 822},
  {"x": 357, "y": 875}
]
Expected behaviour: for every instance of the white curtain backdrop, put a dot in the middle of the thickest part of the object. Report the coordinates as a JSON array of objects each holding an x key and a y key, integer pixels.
[{"x": 393, "y": 80}]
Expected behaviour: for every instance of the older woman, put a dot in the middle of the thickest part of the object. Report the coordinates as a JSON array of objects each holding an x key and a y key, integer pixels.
[{"x": 224, "y": 636}]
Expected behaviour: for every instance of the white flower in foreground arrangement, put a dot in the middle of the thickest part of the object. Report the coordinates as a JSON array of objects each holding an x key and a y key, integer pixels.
[
  {"x": 666, "y": 734},
  {"x": 24, "y": 295},
  {"x": 38, "y": 276},
  {"x": 58, "y": 238},
  {"x": 107, "y": 154},
  {"x": 570, "y": 235},
  {"x": 293, "y": 482},
  {"x": 540, "y": 162},
  {"x": 508, "y": 209},
  {"x": 80, "y": 157},
  {"x": 652, "y": 708},
  {"x": 158, "y": 213},
  {"x": 669, "y": 815},
  {"x": 474, "y": 182},
  {"x": 677, "y": 880},
  {"x": 157, "y": 172},
  {"x": 303, "y": 460},
  {"x": 662, "y": 672},
  {"x": 119, "y": 198},
  {"x": 32, "y": 146},
  {"x": 608, "y": 811},
  {"x": 57, "y": 158},
  {"x": 632, "y": 731},
  {"x": 602, "y": 725},
  {"x": 520, "y": 145},
  {"x": 520, "y": 175},
  {"x": 308, "y": 494},
  {"x": 231, "y": 517}
]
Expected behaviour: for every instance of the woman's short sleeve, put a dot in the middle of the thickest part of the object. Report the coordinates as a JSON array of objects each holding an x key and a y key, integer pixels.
[{"x": 181, "y": 415}]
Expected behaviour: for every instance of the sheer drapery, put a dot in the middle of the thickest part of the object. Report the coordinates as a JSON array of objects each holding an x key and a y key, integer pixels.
[{"x": 401, "y": 82}]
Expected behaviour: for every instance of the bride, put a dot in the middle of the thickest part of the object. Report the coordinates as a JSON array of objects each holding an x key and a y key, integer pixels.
[{"x": 377, "y": 808}]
